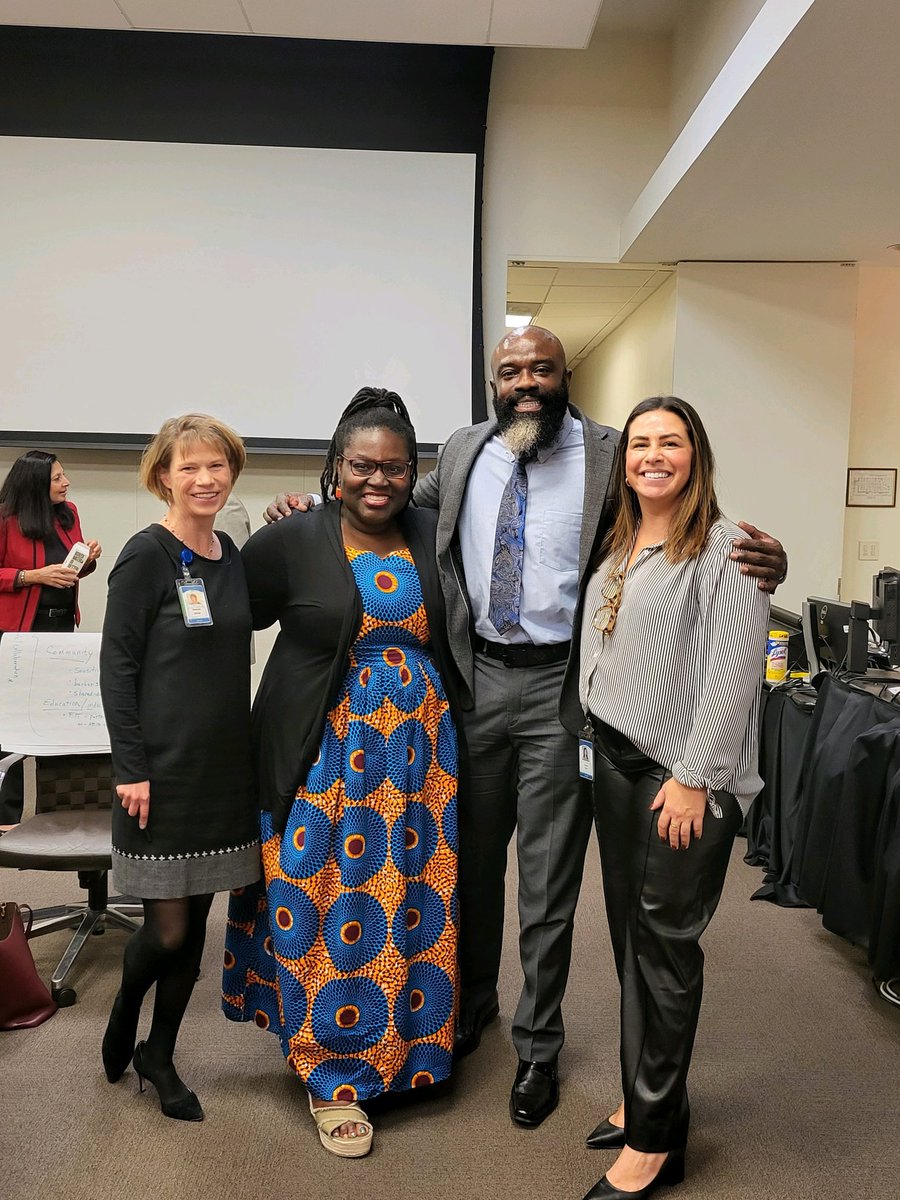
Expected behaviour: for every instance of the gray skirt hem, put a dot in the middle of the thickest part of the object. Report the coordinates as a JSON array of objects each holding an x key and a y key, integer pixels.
[{"x": 171, "y": 879}]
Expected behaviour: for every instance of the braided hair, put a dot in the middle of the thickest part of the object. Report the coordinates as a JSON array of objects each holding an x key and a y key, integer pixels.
[{"x": 370, "y": 408}]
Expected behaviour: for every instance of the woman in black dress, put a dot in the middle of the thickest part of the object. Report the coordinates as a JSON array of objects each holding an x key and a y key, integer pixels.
[{"x": 175, "y": 681}]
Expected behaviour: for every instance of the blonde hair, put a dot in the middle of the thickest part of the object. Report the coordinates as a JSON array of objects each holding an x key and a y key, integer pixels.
[
  {"x": 180, "y": 432},
  {"x": 698, "y": 507}
]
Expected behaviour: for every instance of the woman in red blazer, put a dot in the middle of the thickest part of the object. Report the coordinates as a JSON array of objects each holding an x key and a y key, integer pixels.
[{"x": 38, "y": 594}]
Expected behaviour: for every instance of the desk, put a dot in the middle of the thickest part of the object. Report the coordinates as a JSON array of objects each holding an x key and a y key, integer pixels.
[{"x": 828, "y": 827}]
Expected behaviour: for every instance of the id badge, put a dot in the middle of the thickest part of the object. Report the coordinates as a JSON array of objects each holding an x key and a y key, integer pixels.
[
  {"x": 586, "y": 757},
  {"x": 193, "y": 601}
]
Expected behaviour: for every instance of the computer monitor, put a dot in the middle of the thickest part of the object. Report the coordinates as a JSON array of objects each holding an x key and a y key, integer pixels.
[
  {"x": 827, "y": 634},
  {"x": 886, "y": 609}
]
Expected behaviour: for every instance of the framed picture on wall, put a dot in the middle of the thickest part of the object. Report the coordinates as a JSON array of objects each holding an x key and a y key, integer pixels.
[{"x": 871, "y": 487}]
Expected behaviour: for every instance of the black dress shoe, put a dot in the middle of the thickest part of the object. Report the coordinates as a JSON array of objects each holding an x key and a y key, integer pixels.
[
  {"x": 467, "y": 1038},
  {"x": 175, "y": 1100},
  {"x": 671, "y": 1172},
  {"x": 534, "y": 1094},
  {"x": 606, "y": 1137}
]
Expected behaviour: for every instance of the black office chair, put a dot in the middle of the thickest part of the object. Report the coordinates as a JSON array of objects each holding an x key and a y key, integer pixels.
[{"x": 70, "y": 831}]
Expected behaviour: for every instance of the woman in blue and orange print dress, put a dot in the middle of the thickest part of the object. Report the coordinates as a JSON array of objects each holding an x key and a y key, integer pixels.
[{"x": 348, "y": 951}]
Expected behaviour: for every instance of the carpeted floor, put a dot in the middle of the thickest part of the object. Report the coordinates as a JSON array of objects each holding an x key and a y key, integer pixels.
[{"x": 795, "y": 1084}]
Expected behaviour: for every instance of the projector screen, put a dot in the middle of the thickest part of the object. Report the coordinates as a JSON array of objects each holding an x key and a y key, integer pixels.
[{"x": 264, "y": 284}]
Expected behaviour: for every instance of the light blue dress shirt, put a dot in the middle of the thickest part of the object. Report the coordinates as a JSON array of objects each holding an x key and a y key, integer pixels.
[{"x": 553, "y": 516}]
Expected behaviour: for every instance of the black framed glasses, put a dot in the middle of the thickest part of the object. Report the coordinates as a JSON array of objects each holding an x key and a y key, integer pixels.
[
  {"x": 365, "y": 468},
  {"x": 604, "y": 620}
]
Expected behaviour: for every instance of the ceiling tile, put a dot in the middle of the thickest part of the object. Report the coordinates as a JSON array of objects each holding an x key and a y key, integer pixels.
[
  {"x": 530, "y": 276},
  {"x": 602, "y": 276},
  {"x": 573, "y": 333},
  {"x": 463, "y": 23},
  {"x": 85, "y": 14},
  {"x": 198, "y": 16},
  {"x": 527, "y": 293},
  {"x": 567, "y": 24},
  {"x": 535, "y": 23},
  {"x": 590, "y": 295},
  {"x": 599, "y": 313}
]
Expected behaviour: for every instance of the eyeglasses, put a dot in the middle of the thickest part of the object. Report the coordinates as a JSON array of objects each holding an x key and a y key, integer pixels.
[
  {"x": 365, "y": 468},
  {"x": 604, "y": 620}
]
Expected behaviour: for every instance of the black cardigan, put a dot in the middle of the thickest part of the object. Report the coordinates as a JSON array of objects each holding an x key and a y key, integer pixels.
[{"x": 298, "y": 575}]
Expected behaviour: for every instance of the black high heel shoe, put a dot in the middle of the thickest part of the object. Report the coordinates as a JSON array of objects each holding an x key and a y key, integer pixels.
[
  {"x": 182, "y": 1107},
  {"x": 118, "y": 1041},
  {"x": 670, "y": 1173},
  {"x": 606, "y": 1137}
]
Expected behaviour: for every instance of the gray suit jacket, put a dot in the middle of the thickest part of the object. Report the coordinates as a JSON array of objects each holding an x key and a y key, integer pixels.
[{"x": 444, "y": 488}]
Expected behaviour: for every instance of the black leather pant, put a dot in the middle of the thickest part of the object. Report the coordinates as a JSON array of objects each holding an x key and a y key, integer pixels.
[{"x": 659, "y": 901}]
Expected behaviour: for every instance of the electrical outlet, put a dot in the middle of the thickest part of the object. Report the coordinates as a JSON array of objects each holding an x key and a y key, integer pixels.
[{"x": 868, "y": 551}]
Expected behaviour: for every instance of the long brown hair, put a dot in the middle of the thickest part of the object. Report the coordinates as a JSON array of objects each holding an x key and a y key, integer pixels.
[{"x": 698, "y": 507}]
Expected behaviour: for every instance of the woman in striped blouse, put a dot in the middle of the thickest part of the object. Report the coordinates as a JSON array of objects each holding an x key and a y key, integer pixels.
[{"x": 672, "y": 647}]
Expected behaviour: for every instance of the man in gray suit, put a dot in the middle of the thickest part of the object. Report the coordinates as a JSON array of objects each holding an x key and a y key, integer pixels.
[
  {"x": 522, "y": 503},
  {"x": 521, "y": 768}
]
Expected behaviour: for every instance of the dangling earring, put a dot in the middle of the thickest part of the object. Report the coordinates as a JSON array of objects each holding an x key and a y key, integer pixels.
[{"x": 337, "y": 492}]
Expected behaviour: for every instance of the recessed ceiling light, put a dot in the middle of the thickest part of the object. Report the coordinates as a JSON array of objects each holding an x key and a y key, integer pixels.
[{"x": 518, "y": 320}]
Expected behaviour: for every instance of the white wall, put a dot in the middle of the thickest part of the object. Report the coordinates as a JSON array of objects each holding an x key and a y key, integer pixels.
[
  {"x": 765, "y": 353},
  {"x": 635, "y": 361},
  {"x": 705, "y": 36},
  {"x": 572, "y": 137},
  {"x": 875, "y": 427}
]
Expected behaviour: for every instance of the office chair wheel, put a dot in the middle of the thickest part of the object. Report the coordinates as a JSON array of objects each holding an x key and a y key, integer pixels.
[
  {"x": 65, "y": 997},
  {"x": 889, "y": 989}
]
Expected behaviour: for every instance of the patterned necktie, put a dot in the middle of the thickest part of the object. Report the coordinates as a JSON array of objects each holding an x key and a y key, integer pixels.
[{"x": 509, "y": 551}]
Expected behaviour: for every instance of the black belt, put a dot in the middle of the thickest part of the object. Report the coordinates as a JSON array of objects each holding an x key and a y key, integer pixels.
[
  {"x": 57, "y": 614},
  {"x": 524, "y": 655}
]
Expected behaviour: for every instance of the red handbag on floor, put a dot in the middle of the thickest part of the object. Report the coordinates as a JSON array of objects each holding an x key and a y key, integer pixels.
[{"x": 24, "y": 999}]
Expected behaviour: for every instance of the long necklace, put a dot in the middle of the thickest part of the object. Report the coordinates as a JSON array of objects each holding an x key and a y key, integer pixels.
[
  {"x": 209, "y": 552},
  {"x": 604, "y": 620}
]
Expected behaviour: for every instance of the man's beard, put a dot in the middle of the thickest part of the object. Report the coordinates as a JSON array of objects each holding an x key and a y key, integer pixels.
[{"x": 526, "y": 434}]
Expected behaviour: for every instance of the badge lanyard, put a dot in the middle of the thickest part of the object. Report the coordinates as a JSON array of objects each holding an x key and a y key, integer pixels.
[{"x": 192, "y": 595}]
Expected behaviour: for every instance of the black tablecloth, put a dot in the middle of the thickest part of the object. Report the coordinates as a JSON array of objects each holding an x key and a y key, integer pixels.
[
  {"x": 785, "y": 720},
  {"x": 827, "y": 825}
]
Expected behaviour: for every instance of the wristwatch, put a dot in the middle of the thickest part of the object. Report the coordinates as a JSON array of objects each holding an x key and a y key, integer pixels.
[{"x": 20, "y": 579}]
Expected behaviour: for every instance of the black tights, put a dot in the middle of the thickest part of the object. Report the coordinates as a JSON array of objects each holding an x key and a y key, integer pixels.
[{"x": 166, "y": 950}]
